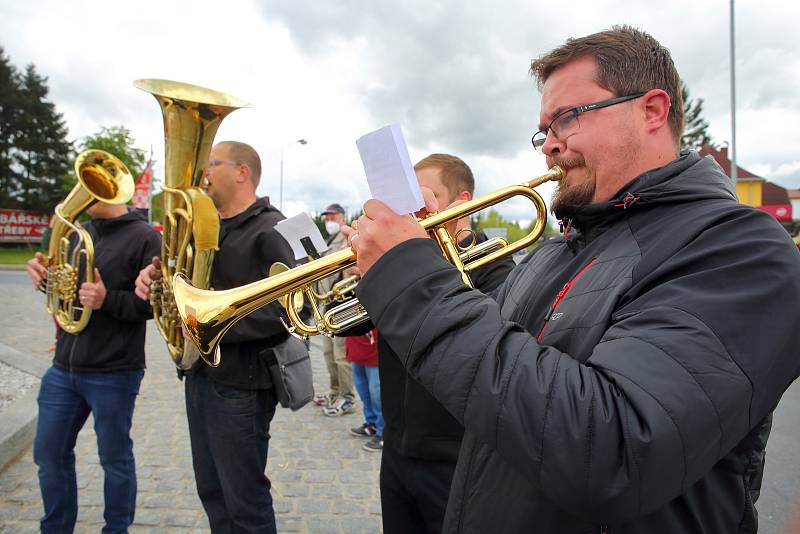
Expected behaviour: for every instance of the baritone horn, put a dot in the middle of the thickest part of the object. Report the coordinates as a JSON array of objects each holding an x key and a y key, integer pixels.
[
  {"x": 191, "y": 116},
  {"x": 102, "y": 177},
  {"x": 207, "y": 315}
]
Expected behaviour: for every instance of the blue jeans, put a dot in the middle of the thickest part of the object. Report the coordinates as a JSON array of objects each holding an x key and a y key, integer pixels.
[
  {"x": 229, "y": 432},
  {"x": 368, "y": 385},
  {"x": 65, "y": 401}
]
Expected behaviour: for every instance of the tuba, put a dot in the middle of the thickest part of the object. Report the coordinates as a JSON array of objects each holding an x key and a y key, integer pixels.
[
  {"x": 191, "y": 116},
  {"x": 207, "y": 315},
  {"x": 101, "y": 177}
]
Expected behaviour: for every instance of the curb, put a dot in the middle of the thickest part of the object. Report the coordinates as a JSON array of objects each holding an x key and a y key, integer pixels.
[
  {"x": 12, "y": 267},
  {"x": 18, "y": 421}
]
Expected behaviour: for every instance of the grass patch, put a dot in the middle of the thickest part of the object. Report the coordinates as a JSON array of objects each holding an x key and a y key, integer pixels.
[{"x": 17, "y": 254}]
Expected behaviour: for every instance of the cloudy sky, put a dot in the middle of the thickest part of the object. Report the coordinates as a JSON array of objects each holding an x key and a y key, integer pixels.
[{"x": 452, "y": 73}]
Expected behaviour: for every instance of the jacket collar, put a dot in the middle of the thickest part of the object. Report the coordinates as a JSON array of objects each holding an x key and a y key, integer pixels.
[{"x": 687, "y": 178}]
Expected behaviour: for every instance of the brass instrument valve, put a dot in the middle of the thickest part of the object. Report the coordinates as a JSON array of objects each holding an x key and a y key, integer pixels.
[{"x": 63, "y": 281}]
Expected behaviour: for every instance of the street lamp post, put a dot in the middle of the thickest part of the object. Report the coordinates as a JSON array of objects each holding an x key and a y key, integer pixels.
[{"x": 300, "y": 141}]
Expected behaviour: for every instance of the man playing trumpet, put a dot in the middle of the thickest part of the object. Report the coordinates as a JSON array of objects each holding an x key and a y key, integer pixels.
[{"x": 623, "y": 377}]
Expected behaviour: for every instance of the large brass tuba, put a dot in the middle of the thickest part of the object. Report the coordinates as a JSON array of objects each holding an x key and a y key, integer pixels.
[
  {"x": 192, "y": 116},
  {"x": 101, "y": 177},
  {"x": 207, "y": 315}
]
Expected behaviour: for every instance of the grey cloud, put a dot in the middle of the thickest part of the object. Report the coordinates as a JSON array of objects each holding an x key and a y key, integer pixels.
[{"x": 437, "y": 69}]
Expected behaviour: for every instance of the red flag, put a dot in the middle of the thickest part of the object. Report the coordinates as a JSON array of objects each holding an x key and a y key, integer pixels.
[{"x": 141, "y": 195}]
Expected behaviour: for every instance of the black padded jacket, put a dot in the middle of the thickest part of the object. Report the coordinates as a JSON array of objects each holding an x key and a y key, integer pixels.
[{"x": 623, "y": 379}]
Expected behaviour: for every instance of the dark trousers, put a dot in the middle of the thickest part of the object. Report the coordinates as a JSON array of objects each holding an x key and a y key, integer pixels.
[
  {"x": 414, "y": 493},
  {"x": 229, "y": 433},
  {"x": 65, "y": 401}
]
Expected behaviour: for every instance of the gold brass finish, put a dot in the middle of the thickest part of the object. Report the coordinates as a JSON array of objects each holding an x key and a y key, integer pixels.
[
  {"x": 207, "y": 315},
  {"x": 191, "y": 116},
  {"x": 101, "y": 177}
]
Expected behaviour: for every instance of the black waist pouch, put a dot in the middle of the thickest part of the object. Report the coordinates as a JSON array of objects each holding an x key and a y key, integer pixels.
[{"x": 290, "y": 370}]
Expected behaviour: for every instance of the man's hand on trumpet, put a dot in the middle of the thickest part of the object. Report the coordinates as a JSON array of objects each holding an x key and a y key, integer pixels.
[{"x": 381, "y": 229}]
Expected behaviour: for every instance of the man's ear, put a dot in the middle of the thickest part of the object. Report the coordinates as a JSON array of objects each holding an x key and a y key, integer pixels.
[
  {"x": 244, "y": 173},
  {"x": 655, "y": 104}
]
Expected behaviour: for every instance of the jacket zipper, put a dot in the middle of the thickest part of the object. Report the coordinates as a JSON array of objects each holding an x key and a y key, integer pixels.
[{"x": 560, "y": 296}]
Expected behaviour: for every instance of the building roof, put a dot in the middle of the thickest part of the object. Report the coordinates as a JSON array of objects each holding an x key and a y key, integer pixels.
[
  {"x": 721, "y": 157},
  {"x": 773, "y": 194}
]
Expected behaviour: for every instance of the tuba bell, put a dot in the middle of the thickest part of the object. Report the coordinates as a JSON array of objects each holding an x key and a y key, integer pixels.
[
  {"x": 191, "y": 116},
  {"x": 101, "y": 177}
]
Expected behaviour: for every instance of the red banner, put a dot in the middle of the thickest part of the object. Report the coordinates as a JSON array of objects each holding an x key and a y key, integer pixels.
[
  {"x": 141, "y": 194},
  {"x": 21, "y": 226},
  {"x": 782, "y": 212}
]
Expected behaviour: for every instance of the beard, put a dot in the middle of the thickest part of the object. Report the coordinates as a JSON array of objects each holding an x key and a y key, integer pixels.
[{"x": 568, "y": 195}]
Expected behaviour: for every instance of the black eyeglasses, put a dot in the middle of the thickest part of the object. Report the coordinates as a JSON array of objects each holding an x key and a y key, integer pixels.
[{"x": 566, "y": 123}]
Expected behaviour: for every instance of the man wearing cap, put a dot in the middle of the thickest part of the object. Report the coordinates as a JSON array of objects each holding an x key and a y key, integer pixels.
[{"x": 341, "y": 398}]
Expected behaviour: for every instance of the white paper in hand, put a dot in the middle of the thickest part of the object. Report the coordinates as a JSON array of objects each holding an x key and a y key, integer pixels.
[
  {"x": 295, "y": 230},
  {"x": 389, "y": 171}
]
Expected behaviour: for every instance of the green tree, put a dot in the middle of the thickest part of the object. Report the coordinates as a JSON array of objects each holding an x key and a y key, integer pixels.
[
  {"x": 9, "y": 129},
  {"x": 41, "y": 150},
  {"x": 493, "y": 219},
  {"x": 695, "y": 129}
]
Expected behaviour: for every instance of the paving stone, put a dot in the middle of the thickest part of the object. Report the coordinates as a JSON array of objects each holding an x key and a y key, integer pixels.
[
  {"x": 181, "y": 518},
  {"x": 320, "y": 476},
  {"x": 289, "y": 524},
  {"x": 323, "y": 524},
  {"x": 361, "y": 525},
  {"x": 312, "y": 506}
]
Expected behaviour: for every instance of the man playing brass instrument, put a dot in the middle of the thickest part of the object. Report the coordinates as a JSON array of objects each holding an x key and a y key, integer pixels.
[
  {"x": 230, "y": 407},
  {"x": 623, "y": 378},
  {"x": 97, "y": 371},
  {"x": 422, "y": 439}
]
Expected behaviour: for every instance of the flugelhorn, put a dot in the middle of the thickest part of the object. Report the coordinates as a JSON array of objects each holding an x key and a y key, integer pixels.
[
  {"x": 191, "y": 116},
  {"x": 101, "y": 177},
  {"x": 207, "y": 315}
]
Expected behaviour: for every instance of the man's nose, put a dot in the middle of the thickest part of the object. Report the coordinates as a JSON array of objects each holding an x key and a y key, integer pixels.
[{"x": 553, "y": 145}]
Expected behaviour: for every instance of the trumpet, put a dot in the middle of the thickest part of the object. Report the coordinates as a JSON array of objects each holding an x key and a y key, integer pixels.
[{"x": 207, "y": 315}]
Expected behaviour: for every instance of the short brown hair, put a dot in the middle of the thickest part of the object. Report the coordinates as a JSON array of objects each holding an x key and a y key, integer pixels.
[
  {"x": 628, "y": 61},
  {"x": 456, "y": 175},
  {"x": 244, "y": 153}
]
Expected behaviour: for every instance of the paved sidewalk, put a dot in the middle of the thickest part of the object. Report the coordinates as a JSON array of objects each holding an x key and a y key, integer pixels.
[{"x": 323, "y": 482}]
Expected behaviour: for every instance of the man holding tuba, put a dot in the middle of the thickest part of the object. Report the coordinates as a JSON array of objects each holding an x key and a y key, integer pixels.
[
  {"x": 230, "y": 407},
  {"x": 623, "y": 378},
  {"x": 96, "y": 370}
]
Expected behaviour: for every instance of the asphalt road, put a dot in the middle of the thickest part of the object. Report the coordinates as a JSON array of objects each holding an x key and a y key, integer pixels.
[{"x": 779, "y": 505}]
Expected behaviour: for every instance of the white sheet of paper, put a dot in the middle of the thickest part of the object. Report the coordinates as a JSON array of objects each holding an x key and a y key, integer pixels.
[
  {"x": 389, "y": 171},
  {"x": 295, "y": 228}
]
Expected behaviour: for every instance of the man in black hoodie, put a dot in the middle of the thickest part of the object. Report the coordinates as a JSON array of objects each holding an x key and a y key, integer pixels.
[
  {"x": 230, "y": 407},
  {"x": 97, "y": 371},
  {"x": 622, "y": 379},
  {"x": 421, "y": 438}
]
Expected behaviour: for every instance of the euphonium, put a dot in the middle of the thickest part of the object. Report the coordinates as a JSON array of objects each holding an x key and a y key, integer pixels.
[
  {"x": 207, "y": 315},
  {"x": 192, "y": 116},
  {"x": 101, "y": 177}
]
